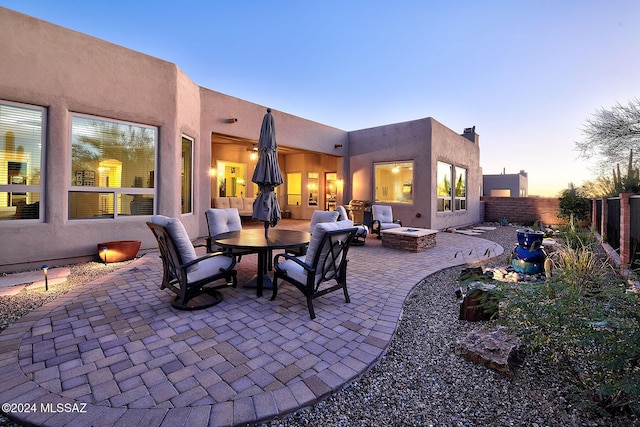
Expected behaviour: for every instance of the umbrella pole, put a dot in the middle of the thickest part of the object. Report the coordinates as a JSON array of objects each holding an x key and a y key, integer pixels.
[{"x": 266, "y": 230}]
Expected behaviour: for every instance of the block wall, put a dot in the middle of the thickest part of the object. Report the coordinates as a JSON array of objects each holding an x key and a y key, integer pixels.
[{"x": 522, "y": 210}]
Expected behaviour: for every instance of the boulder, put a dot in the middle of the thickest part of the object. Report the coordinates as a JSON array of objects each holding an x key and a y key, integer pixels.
[{"x": 494, "y": 349}]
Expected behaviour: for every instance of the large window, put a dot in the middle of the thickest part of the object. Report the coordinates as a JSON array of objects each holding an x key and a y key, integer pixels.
[
  {"x": 444, "y": 188},
  {"x": 461, "y": 189},
  {"x": 186, "y": 174},
  {"x": 112, "y": 168},
  {"x": 393, "y": 182},
  {"x": 294, "y": 188},
  {"x": 21, "y": 161},
  {"x": 451, "y": 187}
]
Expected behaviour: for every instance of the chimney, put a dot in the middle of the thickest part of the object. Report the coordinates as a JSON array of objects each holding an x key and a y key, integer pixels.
[{"x": 470, "y": 134}]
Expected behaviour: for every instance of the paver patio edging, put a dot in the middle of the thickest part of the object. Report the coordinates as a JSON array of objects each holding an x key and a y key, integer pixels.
[{"x": 282, "y": 360}]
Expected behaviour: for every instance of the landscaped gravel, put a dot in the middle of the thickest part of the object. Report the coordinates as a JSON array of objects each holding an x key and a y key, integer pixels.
[{"x": 420, "y": 381}]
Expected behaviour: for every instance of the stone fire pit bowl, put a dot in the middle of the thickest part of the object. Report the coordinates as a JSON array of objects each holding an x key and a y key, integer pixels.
[{"x": 118, "y": 250}]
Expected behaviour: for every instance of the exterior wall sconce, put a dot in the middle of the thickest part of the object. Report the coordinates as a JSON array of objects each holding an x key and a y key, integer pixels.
[
  {"x": 45, "y": 268},
  {"x": 232, "y": 120},
  {"x": 254, "y": 153}
]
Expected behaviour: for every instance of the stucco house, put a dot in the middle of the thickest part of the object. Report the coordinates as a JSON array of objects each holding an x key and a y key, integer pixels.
[
  {"x": 506, "y": 185},
  {"x": 95, "y": 138}
]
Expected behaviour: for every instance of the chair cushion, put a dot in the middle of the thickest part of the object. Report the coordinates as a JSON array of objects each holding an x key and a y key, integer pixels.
[
  {"x": 322, "y": 216},
  {"x": 342, "y": 213},
  {"x": 179, "y": 235},
  {"x": 208, "y": 267},
  {"x": 294, "y": 270},
  {"x": 382, "y": 213},
  {"x": 363, "y": 230},
  {"x": 223, "y": 220},
  {"x": 388, "y": 225},
  {"x": 316, "y": 237}
]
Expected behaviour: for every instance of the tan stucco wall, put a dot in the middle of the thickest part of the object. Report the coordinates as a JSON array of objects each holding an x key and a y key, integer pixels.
[
  {"x": 457, "y": 150},
  {"x": 425, "y": 141},
  {"x": 68, "y": 72}
]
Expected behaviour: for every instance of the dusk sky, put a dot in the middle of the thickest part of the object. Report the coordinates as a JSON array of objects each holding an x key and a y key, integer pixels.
[{"x": 527, "y": 74}]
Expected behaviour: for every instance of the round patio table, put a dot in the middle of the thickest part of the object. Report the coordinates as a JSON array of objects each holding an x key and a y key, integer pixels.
[{"x": 256, "y": 241}]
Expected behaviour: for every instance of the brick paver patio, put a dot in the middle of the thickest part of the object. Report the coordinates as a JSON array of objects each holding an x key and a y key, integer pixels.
[{"x": 114, "y": 352}]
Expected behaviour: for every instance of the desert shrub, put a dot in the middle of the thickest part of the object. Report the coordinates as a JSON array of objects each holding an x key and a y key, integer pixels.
[{"x": 583, "y": 319}]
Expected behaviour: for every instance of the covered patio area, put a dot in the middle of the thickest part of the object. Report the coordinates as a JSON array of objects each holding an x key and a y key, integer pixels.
[{"x": 116, "y": 352}]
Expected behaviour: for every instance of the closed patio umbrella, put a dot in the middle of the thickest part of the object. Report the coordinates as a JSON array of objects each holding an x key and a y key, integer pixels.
[{"x": 267, "y": 175}]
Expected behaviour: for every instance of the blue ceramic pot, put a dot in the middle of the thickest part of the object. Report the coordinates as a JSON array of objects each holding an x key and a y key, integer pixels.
[
  {"x": 528, "y": 261},
  {"x": 530, "y": 239}
]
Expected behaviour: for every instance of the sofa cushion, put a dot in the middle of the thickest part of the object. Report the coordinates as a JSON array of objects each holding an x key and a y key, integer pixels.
[
  {"x": 236, "y": 202},
  {"x": 221, "y": 202},
  {"x": 248, "y": 203}
]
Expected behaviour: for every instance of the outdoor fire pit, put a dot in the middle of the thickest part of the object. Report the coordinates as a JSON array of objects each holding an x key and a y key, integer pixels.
[{"x": 118, "y": 250}]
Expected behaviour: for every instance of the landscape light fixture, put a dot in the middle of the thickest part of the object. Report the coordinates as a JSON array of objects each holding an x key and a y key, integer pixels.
[
  {"x": 104, "y": 254},
  {"x": 45, "y": 268}
]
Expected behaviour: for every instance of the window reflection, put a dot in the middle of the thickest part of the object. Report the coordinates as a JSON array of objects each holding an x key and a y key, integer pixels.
[
  {"x": 393, "y": 182},
  {"x": 21, "y": 145},
  {"x": 113, "y": 167}
]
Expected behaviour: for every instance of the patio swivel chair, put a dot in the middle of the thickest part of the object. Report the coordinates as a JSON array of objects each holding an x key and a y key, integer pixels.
[
  {"x": 324, "y": 267},
  {"x": 184, "y": 273},
  {"x": 362, "y": 230},
  {"x": 383, "y": 219}
]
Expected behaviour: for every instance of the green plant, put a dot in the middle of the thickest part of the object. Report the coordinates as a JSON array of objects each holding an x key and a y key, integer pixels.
[
  {"x": 630, "y": 183},
  {"x": 573, "y": 205},
  {"x": 577, "y": 237},
  {"x": 583, "y": 319}
]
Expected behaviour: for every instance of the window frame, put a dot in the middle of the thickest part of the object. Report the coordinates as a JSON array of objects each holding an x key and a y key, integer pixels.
[
  {"x": 31, "y": 188},
  {"x": 115, "y": 192},
  {"x": 400, "y": 187},
  {"x": 442, "y": 207},
  {"x": 191, "y": 142},
  {"x": 293, "y": 196},
  {"x": 460, "y": 202}
]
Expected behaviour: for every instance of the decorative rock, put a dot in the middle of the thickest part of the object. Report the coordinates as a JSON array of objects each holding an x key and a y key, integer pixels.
[
  {"x": 478, "y": 303},
  {"x": 494, "y": 349}
]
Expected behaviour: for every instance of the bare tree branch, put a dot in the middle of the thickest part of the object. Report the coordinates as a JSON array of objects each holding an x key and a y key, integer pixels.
[{"x": 611, "y": 134}]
